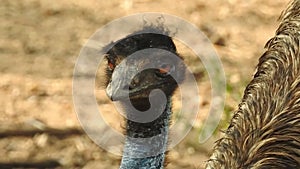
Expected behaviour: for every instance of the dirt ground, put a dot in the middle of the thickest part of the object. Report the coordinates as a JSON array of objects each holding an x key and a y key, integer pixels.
[{"x": 41, "y": 40}]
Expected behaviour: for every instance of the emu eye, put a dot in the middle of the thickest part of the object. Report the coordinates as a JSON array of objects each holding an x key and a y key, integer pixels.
[
  {"x": 110, "y": 65},
  {"x": 165, "y": 69}
]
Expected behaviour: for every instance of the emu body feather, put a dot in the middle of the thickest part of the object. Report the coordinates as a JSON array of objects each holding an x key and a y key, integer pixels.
[{"x": 265, "y": 130}]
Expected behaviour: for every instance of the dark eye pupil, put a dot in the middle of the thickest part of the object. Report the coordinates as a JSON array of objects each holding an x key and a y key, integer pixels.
[{"x": 111, "y": 65}]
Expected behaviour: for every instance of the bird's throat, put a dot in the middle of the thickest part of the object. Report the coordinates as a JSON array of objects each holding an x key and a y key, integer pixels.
[{"x": 146, "y": 142}]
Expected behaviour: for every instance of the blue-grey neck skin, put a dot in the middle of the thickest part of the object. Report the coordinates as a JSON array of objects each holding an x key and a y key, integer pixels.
[
  {"x": 146, "y": 148},
  {"x": 156, "y": 162}
]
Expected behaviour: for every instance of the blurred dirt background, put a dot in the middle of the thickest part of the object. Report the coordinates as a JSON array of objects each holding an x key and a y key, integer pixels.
[{"x": 41, "y": 40}]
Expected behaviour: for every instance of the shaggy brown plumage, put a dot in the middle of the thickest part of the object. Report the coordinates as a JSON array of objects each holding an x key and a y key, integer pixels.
[{"x": 265, "y": 131}]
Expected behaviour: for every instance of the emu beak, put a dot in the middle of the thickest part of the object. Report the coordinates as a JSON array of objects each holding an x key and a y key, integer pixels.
[
  {"x": 118, "y": 87},
  {"x": 116, "y": 92}
]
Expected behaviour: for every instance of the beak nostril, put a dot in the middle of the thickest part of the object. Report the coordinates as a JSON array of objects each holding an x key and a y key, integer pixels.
[
  {"x": 131, "y": 86},
  {"x": 126, "y": 87}
]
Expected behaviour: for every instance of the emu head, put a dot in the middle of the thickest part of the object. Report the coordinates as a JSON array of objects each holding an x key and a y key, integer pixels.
[{"x": 140, "y": 63}]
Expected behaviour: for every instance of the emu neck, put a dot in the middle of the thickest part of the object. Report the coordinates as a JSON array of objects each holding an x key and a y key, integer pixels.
[{"x": 146, "y": 143}]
